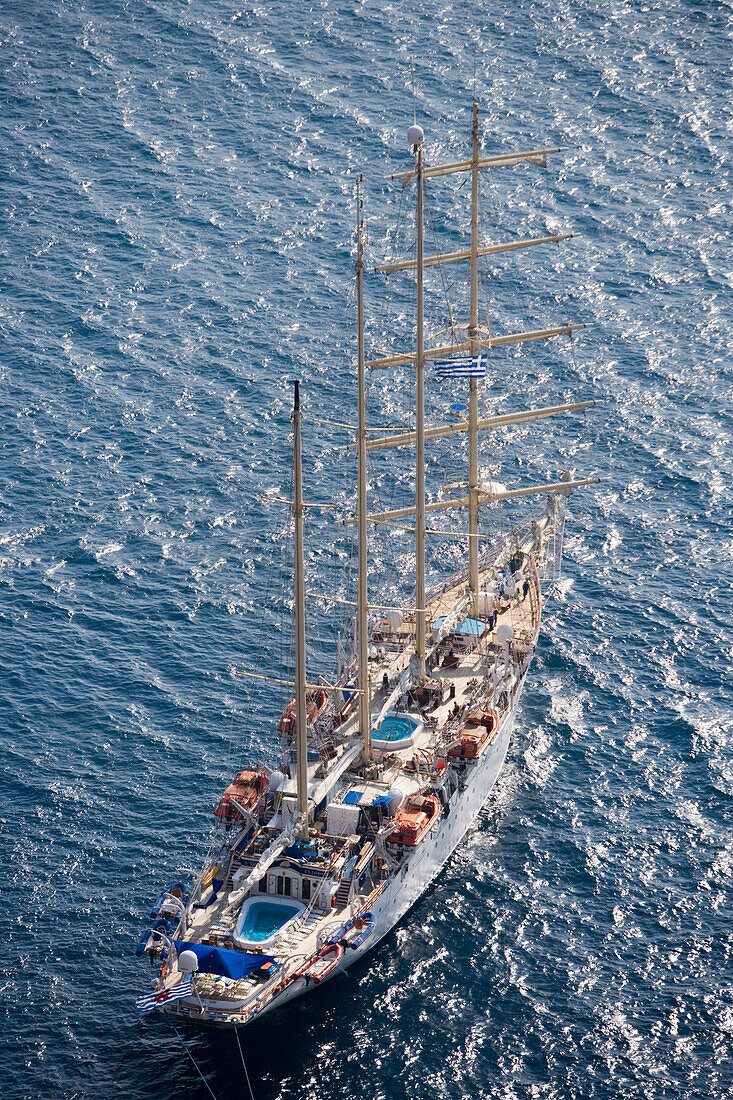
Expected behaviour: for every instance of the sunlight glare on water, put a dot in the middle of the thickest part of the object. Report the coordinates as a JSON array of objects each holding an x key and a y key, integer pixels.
[{"x": 177, "y": 204}]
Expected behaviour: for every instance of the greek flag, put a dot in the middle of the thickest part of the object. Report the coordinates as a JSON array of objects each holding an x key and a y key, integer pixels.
[
  {"x": 461, "y": 367},
  {"x": 164, "y": 997}
]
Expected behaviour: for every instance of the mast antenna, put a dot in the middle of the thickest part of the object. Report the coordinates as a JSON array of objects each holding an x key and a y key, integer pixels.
[{"x": 414, "y": 101}]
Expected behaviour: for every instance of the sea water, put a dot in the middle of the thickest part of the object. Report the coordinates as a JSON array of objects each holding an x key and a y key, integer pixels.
[{"x": 177, "y": 203}]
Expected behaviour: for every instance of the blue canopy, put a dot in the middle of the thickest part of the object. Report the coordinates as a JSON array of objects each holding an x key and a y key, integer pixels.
[
  {"x": 382, "y": 800},
  {"x": 468, "y": 626},
  {"x": 218, "y": 960}
]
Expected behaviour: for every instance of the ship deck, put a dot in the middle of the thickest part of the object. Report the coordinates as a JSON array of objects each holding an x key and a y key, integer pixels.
[{"x": 467, "y": 670}]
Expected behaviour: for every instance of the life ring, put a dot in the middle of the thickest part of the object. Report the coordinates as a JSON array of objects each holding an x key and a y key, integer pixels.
[{"x": 208, "y": 878}]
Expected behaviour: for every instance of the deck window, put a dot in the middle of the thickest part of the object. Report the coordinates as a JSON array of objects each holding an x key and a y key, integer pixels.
[{"x": 305, "y": 889}]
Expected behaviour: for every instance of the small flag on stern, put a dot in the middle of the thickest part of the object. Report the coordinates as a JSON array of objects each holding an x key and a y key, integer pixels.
[
  {"x": 164, "y": 997},
  {"x": 461, "y": 367}
]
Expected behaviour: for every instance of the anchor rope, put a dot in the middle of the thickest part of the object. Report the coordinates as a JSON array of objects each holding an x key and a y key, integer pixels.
[
  {"x": 188, "y": 1052},
  {"x": 236, "y": 1032}
]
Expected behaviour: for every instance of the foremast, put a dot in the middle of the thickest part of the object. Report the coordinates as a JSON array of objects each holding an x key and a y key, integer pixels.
[{"x": 301, "y": 707}]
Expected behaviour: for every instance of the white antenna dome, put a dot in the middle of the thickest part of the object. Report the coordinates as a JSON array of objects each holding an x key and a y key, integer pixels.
[
  {"x": 394, "y": 620},
  {"x": 188, "y": 962},
  {"x": 277, "y": 778},
  {"x": 504, "y": 634},
  {"x": 415, "y": 135}
]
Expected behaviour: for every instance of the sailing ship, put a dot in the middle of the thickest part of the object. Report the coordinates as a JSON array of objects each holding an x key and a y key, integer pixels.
[{"x": 384, "y": 770}]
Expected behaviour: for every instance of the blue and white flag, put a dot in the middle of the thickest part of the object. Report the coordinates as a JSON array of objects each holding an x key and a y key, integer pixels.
[
  {"x": 461, "y": 367},
  {"x": 164, "y": 997}
]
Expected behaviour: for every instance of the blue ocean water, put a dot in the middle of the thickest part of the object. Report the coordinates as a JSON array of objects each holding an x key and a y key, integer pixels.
[{"x": 176, "y": 194}]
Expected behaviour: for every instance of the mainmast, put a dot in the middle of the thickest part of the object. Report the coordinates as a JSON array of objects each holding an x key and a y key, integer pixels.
[
  {"x": 362, "y": 614},
  {"x": 473, "y": 336},
  {"x": 301, "y": 705},
  {"x": 416, "y": 137}
]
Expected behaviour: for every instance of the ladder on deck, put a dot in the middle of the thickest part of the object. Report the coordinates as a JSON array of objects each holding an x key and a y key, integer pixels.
[{"x": 342, "y": 895}]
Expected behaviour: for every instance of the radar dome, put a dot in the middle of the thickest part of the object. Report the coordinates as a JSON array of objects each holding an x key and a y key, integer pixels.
[
  {"x": 415, "y": 135},
  {"x": 188, "y": 962},
  {"x": 394, "y": 620},
  {"x": 504, "y": 633},
  {"x": 277, "y": 779}
]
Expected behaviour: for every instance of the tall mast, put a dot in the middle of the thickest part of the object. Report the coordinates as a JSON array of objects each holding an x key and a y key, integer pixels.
[
  {"x": 416, "y": 137},
  {"x": 473, "y": 335},
  {"x": 301, "y": 706},
  {"x": 362, "y": 613}
]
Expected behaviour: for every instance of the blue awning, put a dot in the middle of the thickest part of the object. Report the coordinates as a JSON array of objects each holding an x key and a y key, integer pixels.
[
  {"x": 468, "y": 626},
  {"x": 219, "y": 960},
  {"x": 382, "y": 800}
]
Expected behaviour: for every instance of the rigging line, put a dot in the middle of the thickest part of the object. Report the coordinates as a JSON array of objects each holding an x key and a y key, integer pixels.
[
  {"x": 236, "y": 1032},
  {"x": 412, "y": 61},
  {"x": 394, "y": 239},
  {"x": 188, "y": 1052},
  {"x": 278, "y": 561},
  {"x": 440, "y": 266},
  {"x": 390, "y": 246},
  {"x": 350, "y": 427},
  {"x": 522, "y": 289},
  {"x": 484, "y": 279},
  {"x": 248, "y": 695},
  {"x": 287, "y": 636}
]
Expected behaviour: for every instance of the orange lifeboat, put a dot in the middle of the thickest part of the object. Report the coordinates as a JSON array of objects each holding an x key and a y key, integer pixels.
[
  {"x": 244, "y": 792},
  {"x": 414, "y": 820},
  {"x": 472, "y": 742},
  {"x": 315, "y": 703}
]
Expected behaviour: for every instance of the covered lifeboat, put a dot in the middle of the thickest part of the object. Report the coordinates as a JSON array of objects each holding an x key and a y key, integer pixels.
[
  {"x": 475, "y": 737},
  {"x": 248, "y": 787},
  {"x": 414, "y": 819},
  {"x": 316, "y": 702}
]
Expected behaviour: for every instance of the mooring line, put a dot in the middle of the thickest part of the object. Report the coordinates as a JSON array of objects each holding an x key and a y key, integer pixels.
[
  {"x": 188, "y": 1052},
  {"x": 236, "y": 1032}
]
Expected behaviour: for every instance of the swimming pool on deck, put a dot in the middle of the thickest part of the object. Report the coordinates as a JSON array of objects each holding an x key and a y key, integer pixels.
[
  {"x": 397, "y": 731},
  {"x": 262, "y": 920}
]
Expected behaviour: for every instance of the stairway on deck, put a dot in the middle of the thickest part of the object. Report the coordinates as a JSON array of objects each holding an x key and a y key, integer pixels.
[{"x": 342, "y": 894}]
